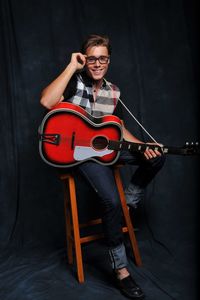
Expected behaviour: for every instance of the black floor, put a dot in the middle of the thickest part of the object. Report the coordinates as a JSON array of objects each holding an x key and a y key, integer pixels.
[{"x": 36, "y": 273}]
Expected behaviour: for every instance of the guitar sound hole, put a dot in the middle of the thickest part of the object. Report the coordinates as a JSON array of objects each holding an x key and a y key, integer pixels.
[{"x": 99, "y": 142}]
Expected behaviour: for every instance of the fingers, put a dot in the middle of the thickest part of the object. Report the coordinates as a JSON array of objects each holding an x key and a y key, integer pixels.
[
  {"x": 150, "y": 153},
  {"x": 78, "y": 59},
  {"x": 81, "y": 59}
]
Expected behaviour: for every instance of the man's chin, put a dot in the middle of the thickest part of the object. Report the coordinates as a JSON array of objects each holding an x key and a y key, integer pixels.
[{"x": 97, "y": 76}]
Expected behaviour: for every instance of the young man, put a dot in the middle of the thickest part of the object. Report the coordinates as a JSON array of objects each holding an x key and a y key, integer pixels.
[{"x": 82, "y": 82}]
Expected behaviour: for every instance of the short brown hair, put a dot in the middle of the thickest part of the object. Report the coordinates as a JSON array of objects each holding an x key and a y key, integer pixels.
[{"x": 96, "y": 40}]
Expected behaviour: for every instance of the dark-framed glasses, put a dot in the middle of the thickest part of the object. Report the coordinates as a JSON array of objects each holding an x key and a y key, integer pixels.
[{"x": 102, "y": 59}]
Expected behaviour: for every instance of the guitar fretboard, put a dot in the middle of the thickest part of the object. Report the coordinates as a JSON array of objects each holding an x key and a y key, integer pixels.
[
  {"x": 137, "y": 147},
  {"x": 125, "y": 145}
]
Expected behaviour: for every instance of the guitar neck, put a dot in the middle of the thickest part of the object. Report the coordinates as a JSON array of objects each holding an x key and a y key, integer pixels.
[{"x": 138, "y": 147}]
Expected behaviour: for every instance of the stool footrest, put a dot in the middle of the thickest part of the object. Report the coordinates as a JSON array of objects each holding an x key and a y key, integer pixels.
[
  {"x": 92, "y": 237},
  {"x": 90, "y": 223}
]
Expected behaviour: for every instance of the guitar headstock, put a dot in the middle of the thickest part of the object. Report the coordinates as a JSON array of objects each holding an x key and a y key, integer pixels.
[{"x": 191, "y": 148}]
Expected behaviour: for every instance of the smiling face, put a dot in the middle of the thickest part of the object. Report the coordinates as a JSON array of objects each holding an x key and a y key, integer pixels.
[{"x": 97, "y": 70}]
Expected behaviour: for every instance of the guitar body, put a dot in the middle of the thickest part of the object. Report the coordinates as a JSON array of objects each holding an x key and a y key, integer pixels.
[{"x": 69, "y": 136}]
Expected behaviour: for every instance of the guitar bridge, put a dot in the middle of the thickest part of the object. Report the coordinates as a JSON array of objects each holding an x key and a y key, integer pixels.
[{"x": 50, "y": 138}]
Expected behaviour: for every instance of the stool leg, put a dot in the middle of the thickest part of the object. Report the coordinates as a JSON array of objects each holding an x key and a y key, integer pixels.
[
  {"x": 68, "y": 221},
  {"x": 75, "y": 222},
  {"x": 127, "y": 217}
]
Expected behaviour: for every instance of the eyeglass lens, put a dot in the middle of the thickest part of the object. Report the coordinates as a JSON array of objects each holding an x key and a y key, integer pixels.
[{"x": 101, "y": 59}]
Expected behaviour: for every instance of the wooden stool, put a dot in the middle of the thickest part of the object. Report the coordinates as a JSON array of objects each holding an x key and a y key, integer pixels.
[{"x": 73, "y": 237}]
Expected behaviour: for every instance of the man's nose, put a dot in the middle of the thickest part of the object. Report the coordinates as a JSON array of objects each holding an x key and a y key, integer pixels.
[{"x": 97, "y": 63}]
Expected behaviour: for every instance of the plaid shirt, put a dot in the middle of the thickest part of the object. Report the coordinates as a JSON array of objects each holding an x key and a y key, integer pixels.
[{"x": 106, "y": 100}]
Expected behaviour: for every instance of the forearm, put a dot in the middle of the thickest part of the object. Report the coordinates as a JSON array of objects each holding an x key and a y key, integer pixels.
[
  {"x": 53, "y": 93},
  {"x": 129, "y": 136},
  {"x": 149, "y": 153}
]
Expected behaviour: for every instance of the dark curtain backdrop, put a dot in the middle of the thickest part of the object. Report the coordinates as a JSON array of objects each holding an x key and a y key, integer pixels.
[{"x": 155, "y": 64}]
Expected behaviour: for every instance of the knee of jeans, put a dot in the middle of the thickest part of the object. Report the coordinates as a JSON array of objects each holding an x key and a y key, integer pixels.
[
  {"x": 113, "y": 203},
  {"x": 158, "y": 161},
  {"x": 161, "y": 160}
]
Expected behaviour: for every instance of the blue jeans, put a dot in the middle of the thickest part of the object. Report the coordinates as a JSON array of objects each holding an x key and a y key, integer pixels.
[{"x": 102, "y": 180}]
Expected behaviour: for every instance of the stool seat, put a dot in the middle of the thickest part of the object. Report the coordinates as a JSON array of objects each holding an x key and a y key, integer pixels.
[{"x": 73, "y": 237}]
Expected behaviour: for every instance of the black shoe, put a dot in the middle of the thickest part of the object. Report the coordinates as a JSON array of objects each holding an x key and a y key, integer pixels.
[{"x": 129, "y": 288}]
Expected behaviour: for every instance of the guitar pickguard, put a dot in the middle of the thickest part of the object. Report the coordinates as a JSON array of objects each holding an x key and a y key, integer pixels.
[{"x": 83, "y": 153}]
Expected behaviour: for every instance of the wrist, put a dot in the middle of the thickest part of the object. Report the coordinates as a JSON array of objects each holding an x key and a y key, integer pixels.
[{"x": 71, "y": 67}]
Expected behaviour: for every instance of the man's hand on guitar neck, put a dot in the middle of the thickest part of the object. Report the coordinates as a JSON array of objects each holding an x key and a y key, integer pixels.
[
  {"x": 152, "y": 153},
  {"x": 148, "y": 153}
]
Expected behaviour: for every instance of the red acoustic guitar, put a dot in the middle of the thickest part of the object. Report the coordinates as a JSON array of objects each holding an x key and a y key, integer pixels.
[{"x": 68, "y": 136}]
